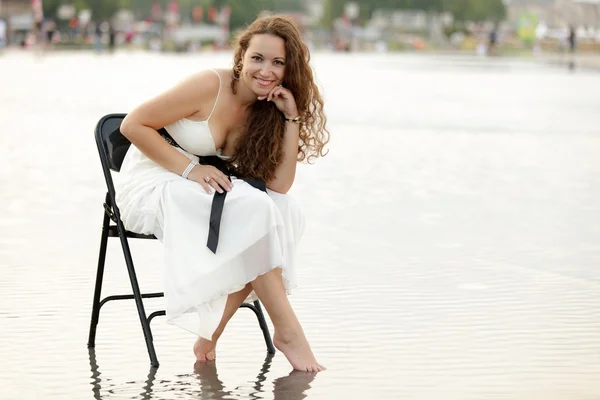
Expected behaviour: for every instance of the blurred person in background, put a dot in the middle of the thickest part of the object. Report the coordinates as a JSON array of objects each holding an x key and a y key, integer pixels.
[
  {"x": 3, "y": 40},
  {"x": 112, "y": 38},
  {"x": 493, "y": 40},
  {"x": 228, "y": 140},
  {"x": 572, "y": 38},
  {"x": 97, "y": 37},
  {"x": 50, "y": 27}
]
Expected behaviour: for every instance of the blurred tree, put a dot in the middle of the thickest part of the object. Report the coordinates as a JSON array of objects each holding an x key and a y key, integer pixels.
[
  {"x": 463, "y": 10},
  {"x": 101, "y": 9},
  {"x": 243, "y": 12},
  {"x": 289, "y": 5},
  {"x": 475, "y": 10},
  {"x": 50, "y": 8},
  {"x": 333, "y": 9}
]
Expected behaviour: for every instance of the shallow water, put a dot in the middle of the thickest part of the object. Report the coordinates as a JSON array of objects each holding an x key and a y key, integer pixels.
[{"x": 451, "y": 250}]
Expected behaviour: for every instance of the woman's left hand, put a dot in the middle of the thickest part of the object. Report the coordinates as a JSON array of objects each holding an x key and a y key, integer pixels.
[{"x": 283, "y": 99}]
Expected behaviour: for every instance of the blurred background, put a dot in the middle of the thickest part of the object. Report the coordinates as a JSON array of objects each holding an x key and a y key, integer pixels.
[
  {"x": 453, "y": 229},
  {"x": 485, "y": 27}
]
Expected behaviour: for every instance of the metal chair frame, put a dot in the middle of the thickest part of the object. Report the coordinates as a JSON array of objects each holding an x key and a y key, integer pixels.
[{"x": 112, "y": 147}]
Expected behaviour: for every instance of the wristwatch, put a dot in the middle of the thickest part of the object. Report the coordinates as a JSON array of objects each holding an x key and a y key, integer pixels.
[{"x": 297, "y": 120}]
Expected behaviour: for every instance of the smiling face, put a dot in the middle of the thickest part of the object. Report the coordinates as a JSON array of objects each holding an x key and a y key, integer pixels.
[{"x": 264, "y": 63}]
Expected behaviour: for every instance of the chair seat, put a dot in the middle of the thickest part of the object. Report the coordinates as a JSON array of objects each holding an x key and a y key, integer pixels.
[{"x": 114, "y": 232}]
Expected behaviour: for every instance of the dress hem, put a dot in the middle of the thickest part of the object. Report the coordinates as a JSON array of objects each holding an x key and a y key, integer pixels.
[{"x": 288, "y": 285}]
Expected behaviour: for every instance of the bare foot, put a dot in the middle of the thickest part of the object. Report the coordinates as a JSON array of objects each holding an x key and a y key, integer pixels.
[
  {"x": 205, "y": 350},
  {"x": 297, "y": 351}
]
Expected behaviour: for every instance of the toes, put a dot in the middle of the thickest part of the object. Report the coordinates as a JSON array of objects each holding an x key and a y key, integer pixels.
[
  {"x": 316, "y": 368},
  {"x": 201, "y": 357},
  {"x": 312, "y": 368}
]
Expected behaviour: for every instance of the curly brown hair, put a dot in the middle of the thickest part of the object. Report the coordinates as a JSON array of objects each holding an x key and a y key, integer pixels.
[{"x": 258, "y": 152}]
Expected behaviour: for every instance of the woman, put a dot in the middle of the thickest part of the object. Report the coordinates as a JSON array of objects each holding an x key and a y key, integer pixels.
[{"x": 250, "y": 126}]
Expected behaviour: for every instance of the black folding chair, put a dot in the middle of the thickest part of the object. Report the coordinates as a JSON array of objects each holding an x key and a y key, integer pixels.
[{"x": 113, "y": 146}]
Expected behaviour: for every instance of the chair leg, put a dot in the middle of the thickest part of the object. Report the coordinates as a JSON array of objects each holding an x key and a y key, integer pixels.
[
  {"x": 137, "y": 295},
  {"x": 99, "y": 277},
  {"x": 265, "y": 328}
]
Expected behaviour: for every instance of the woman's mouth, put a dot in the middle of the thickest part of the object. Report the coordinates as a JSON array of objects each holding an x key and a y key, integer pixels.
[{"x": 263, "y": 82}]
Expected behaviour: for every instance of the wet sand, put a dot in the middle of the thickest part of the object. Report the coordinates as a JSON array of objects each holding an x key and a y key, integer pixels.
[{"x": 451, "y": 250}]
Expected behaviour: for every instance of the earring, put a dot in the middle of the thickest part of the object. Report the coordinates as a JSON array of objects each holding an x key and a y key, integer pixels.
[{"x": 237, "y": 70}]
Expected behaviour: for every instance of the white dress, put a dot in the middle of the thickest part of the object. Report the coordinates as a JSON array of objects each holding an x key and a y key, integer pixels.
[{"x": 259, "y": 231}]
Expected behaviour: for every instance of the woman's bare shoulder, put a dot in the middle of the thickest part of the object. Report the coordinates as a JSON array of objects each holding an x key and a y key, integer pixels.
[
  {"x": 183, "y": 99},
  {"x": 204, "y": 83},
  {"x": 223, "y": 72}
]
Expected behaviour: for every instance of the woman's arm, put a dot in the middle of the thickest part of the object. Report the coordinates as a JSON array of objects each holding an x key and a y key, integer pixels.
[
  {"x": 184, "y": 99},
  {"x": 286, "y": 171}
]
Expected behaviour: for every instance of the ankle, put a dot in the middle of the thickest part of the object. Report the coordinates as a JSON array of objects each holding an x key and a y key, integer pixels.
[
  {"x": 216, "y": 335},
  {"x": 287, "y": 336}
]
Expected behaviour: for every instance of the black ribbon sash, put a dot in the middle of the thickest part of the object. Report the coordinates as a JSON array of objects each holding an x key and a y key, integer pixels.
[{"x": 218, "y": 202}]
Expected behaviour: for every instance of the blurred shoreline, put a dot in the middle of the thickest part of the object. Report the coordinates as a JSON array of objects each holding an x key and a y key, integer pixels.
[{"x": 581, "y": 60}]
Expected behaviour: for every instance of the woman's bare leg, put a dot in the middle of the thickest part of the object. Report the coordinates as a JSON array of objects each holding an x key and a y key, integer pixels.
[
  {"x": 206, "y": 350},
  {"x": 289, "y": 337}
]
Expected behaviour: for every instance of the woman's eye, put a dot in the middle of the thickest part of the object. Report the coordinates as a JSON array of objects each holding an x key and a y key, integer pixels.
[
  {"x": 279, "y": 62},
  {"x": 257, "y": 58}
]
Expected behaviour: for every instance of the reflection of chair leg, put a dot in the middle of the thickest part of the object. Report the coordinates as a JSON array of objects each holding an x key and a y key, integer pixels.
[
  {"x": 291, "y": 387},
  {"x": 262, "y": 375},
  {"x": 96, "y": 387},
  {"x": 147, "y": 395},
  {"x": 95, "y": 374}
]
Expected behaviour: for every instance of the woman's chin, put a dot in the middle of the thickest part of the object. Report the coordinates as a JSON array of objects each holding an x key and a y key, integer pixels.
[{"x": 260, "y": 93}]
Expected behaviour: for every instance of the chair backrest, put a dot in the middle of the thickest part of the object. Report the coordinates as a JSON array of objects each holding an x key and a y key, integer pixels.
[{"x": 111, "y": 143}]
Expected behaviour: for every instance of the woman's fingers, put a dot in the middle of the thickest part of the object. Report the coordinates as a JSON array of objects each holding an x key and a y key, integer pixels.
[
  {"x": 267, "y": 97},
  {"x": 221, "y": 179},
  {"x": 206, "y": 187},
  {"x": 222, "y": 183},
  {"x": 275, "y": 92},
  {"x": 215, "y": 185},
  {"x": 213, "y": 178},
  {"x": 224, "y": 179}
]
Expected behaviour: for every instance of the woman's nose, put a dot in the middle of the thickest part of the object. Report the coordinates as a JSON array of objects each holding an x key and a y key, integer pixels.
[{"x": 265, "y": 71}]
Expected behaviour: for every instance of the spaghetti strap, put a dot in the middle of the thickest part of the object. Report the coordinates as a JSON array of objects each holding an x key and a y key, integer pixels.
[{"x": 218, "y": 93}]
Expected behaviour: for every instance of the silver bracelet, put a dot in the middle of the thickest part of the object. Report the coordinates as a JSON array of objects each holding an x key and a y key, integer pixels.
[{"x": 188, "y": 169}]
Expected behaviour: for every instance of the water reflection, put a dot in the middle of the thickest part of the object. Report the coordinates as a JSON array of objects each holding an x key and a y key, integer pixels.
[
  {"x": 204, "y": 383},
  {"x": 293, "y": 386}
]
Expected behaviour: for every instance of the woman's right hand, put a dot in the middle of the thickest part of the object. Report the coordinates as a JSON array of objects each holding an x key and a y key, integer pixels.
[{"x": 209, "y": 176}]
